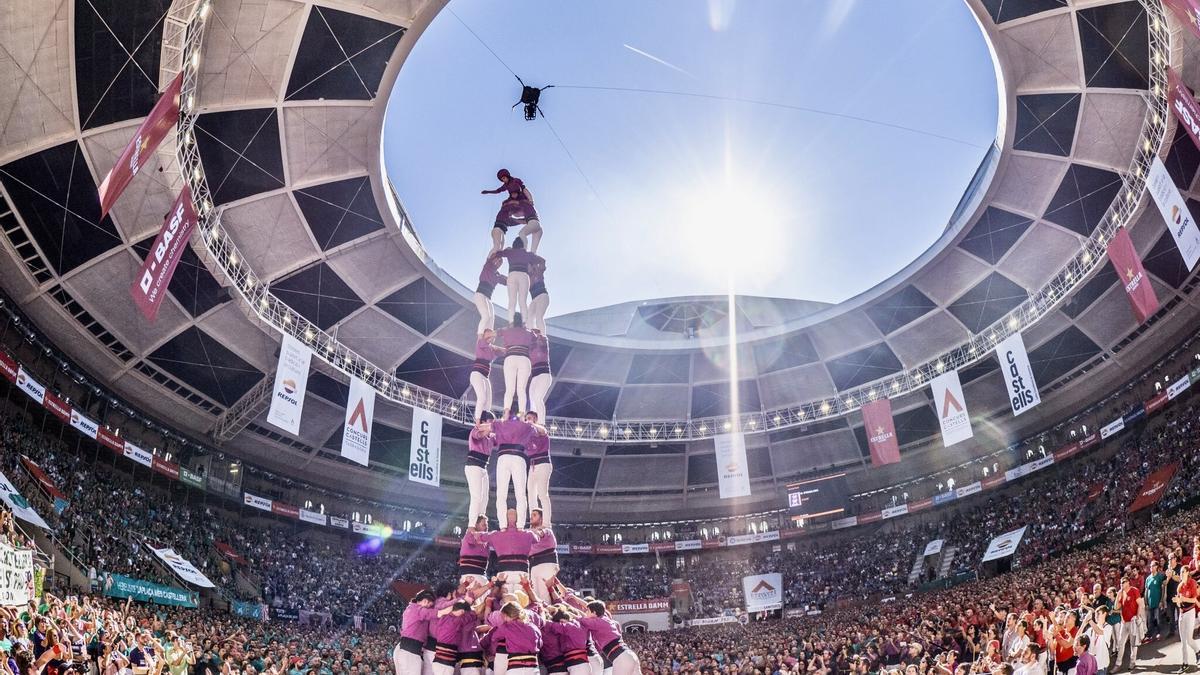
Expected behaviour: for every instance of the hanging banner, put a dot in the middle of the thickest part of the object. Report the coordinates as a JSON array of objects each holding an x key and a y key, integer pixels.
[
  {"x": 334, "y": 521},
  {"x": 843, "y": 523},
  {"x": 1018, "y": 376},
  {"x": 688, "y": 545},
  {"x": 893, "y": 511},
  {"x": 189, "y": 477},
  {"x": 763, "y": 592},
  {"x": 1128, "y": 265},
  {"x": 84, "y": 425},
  {"x": 425, "y": 452},
  {"x": 18, "y": 504},
  {"x": 1112, "y": 427},
  {"x": 970, "y": 489},
  {"x": 733, "y": 475},
  {"x": 162, "y": 119},
  {"x": 138, "y": 455},
  {"x": 30, "y": 386},
  {"x": 1175, "y": 211},
  {"x": 43, "y": 480},
  {"x": 284, "y": 509},
  {"x": 260, "y": 503},
  {"x": 1188, "y": 13},
  {"x": 151, "y": 281},
  {"x": 951, "y": 408},
  {"x": 1154, "y": 487},
  {"x": 313, "y": 517},
  {"x": 110, "y": 439},
  {"x": 291, "y": 381},
  {"x": 1183, "y": 103},
  {"x": 360, "y": 415},
  {"x": 1004, "y": 545},
  {"x": 181, "y": 566},
  {"x": 8, "y": 366},
  {"x": 16, "y": 576},
  {"x": 57, "y": 407},
  {"x": 228, "y": 551},
  {"x": 168, "y": 469},
  {"x": 117, "y": 586},
  {"x": 1178, "y": 387},
  {"x": 628, "y": 549},
  {"x": 934, "y": 547},
  {"x": 880, "y": 428},
  {"x": 1156, "y": 401}
]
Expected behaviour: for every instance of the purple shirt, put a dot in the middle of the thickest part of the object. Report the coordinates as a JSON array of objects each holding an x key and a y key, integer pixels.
[
  {"x": 519, "y": 638},
  {"x": 486, "y": 351},
  {"x": 517, "y": 341},
  {"x": 482, "y": 444},
  {"x": 468, "y": 639},
  {"x": 602, "y": 629},
  {"x": 490, "y": 275},
  {"x": 1086, "y": 664},
  {"x": 537, "y": 446},
  {"x": 571, "y": 636},
  {"x": 513, "y": 431},
  {"x": 520, "y": 259},
  {"x": 472, "y": 548},
  {"x": 510, "y": 542},
  {"x": 415, "y": 622},
  {"x": 446, "y": 629},
  {"x": 546, "y": 541},
  {"x": 539, "y": 351}
]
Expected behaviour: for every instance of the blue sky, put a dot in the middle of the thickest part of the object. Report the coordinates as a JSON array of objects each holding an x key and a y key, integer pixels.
[{"x": 675, "y": 195}]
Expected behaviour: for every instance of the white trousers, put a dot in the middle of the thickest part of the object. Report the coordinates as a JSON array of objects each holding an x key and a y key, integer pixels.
[
  {"x": 581, "y": 669},
  {"x": 406, "y": 663},
  {"x": 539, "y": 387},
  {"x": 426, "y": 662},
  {"x": 483, "y": 392},
  {"x": 1187, "y": 639},
  {"x": 518, "y": 294},
  {"x": 516, "y": 379},
  {"x": 537, "y": 312},
  {"x": 626, "y": 664},
  {"x": 596, "y": 664},
  {"x": 487, "y": 315},
  {"x": 1127, "y": 634},
  {"x": 532, "y": 228},
  {"x": 539, "y": 490},
  {"x": 477, "y": 485},
  {"x": 441, "y": 669},
  {"x": 540, "y": 574},
  {"x": 524, "y": 671},
  {"x": 510, "y": 470},
  {"x": 500, "y": 664}
]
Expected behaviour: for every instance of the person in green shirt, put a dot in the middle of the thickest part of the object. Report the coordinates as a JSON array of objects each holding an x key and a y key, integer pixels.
[
  {"x": 1153, "y": 594},
  {"x": 177, "y": 654}
]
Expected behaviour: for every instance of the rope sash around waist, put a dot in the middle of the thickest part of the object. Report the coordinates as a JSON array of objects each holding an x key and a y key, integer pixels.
[
  {"x": 478, "y": 459},
  {"x": 445, "y": 654},
  {"x": 522, "y": 661},
  {"x": 472, "y": 564},
  {"x": 410, "y": 645},
  {"x": 542, "y": 557},
  {"x": 516, "y": 350},
  {"x": 611, "y": 651},
  {"x": 511, "y": 449},
  {"x": 512, "y": 563}
]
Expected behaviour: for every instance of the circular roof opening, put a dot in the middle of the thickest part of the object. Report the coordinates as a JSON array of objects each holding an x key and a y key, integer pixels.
[{"x": 795, "y": 150}]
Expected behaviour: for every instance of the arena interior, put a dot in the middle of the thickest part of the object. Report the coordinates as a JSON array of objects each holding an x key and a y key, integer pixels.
[{"x": 248, "y": 420}]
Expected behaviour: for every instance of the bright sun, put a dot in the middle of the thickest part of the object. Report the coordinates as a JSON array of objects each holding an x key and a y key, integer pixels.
[{"x": 734, "y": 227}]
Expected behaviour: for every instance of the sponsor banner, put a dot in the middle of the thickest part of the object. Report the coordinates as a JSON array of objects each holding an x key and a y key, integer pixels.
[
  {"x": 713, "y": 620},
  {"x": 446, "y": 541},
  {"x": 1178, "y": 387},
  {"x": 1018, "y": 375},
  {"x": 733, "y": 474},
  {"x": 260, "y": 503},
  {"x": 951, "y": 408},
  {"x": 562, "y": 549},
  {"x": 1112, "y": 427},
  {"x": 181, "y": 566},
  {"x": 1154, "y": 487},
  {"x": 151, "y": 281},
  {"x": 334, "y": 521},
  {"x": 870, "y": 517},
  {"x": 662, "y": 547},
  {"x": 1128, "y": 266},
  {"x": 58, "y": 407},
  {"x": 1138, "y": 412},
  {"x": 1157, "y": 401},
  {"x": 189, "y": 477},
  {"x": 16, "y": 576},
  {"x": 1174, "y": 210},
  {"x": 110, "y": 440},
  {"x": 285, "y": 614},
  {"x": 1195, "y": 374},
  {"x": 137, "y": 454},
  {"x": 1004, "y": 545},
  {"x": 1089, "y": 440},
  {"x": 360, "y": 528},
  {"x": 168, "y": 469},
  {"x": 1016, "y": 472},
  {"x": 968, "y": 490},
  {"x": 117, "y": 586},
  {"x": 944, "y": 498},
  {"x": 1041, "y": 463},
  {"x": 635, "y": 548},
  {"x": 314, "y": 517},
  {"x": 30, "y": 386},
  {"x": 425, "y": 451},
  {"x": 360, "y": 416},
  {"x": 18, "y": 504},
  {"x": 640, "y": 606},
  {"x": 607, "y": 549},
  {"x": 842, "y": 523},
  {"x": 989, "y": 483},
  {"x": 84, "y": 425},
  {"x": 249, "y": 610},
  {"x": 1066, "y": 451},
  {"x": 8, "y": 366},
  {"x": 753, "y": 538},
  {"x": 934, "y": 547},
  {"x": 650, "y": 615},
  {"x": 581, "y": 549},
  {"x": 285, "y": 509},
  {"x": 894, "y": 511},
  {"x": 880, "y": 429},
  {"x": 688, "y": 545},
  {"x": 1179, "y": 97},
  {"x": 763, "y": 592},
  {"x": 291, "y": 381},
  {"x": 920, "y": 505},
  {"x": 713, "y": 544},
  {"x": 162, "y": 118}
]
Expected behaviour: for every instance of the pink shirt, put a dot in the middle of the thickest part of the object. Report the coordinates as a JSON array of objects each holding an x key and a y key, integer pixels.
[
  {"x": 447, "y": 629},
  {"x": 469, "y": 547},
  {"x": 481, "y": 443},
  {"x": 519, "y": 638},
  {"x": 517, "y": 340},
  {"x": 539, "y": 351},
  {"x": 510, "y": 541},
  {"x": 415, "y": 621},
  {"x": 571, "y": 636},
  {"x": 546, "y": 542},
  {"x": 520, "y": 259},
  {"x": 602, "y": 629},
  {"x": 468, "y": 639},
  {"x": 537, "y": 446},
  {"x": 513, "y": 431},
  {"x": 486, "y": 351},
  {"x": 490, "y": 275}
]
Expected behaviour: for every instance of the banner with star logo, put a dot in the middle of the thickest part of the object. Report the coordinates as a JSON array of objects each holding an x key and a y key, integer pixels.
[
  {"x": 162, "y": 119},
  {"x": 1188, "y": 12},
  {"x": 881, "y": 432},
  {"x": 1128, "y": 264}
]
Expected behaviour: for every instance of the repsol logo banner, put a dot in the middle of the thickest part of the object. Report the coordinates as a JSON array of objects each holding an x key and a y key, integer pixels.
[
  {"x": 1175, "y": 211},
  {"x": 291, "y": 381},
  {"x": 1018, "y": 375}
]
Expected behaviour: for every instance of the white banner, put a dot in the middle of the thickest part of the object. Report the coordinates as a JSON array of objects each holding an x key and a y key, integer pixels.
[
  {"x": 1041, "y": 463},
  {"x": 313, "y": 517},
  {"x": 360, "y": 415},
  {"x": 894, "y": 511},
  {"x": 1178, "y": 387},
  {"x": 689, "y": 545},
  {"x": 31, "y": 386},
  {"x": 86, "y": 426},
  {"x": 1004, "y": 545},
  {"x": 334, "y": 521},
  {"x": 635, "y": 548},
  {"x": 1175, "y": 211},
  {"x": 733, "y": 475},
  {"x": 951, "y": 408},
  {"x": 260, "y": 503},
  {"x": 841, "y": 523},
  {"x": 425, "y": 453},
  {"x": 970, "y": 489},
  {"x": 138, "y": 455},
  {"x": 763, "y": 592},
  {"x": 16, "y": 576},
  {"x": 18, "y": 505},
  {"x": 180, "y": 565},
  {"x": 1018, "y": 376},
  {"x": 1112, "y": 427},
  {"x": 934, "y": 547},
  {"x": 713, "y": 620},
  {"x": 291, "y": 381},
  {"x": 562, "y": 549},
  {"x": 753, "y": 538}
]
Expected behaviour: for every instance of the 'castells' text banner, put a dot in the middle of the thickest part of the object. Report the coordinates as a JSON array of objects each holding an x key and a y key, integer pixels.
[
  {"x": 425, "y": 453},
  {"x": 291, "y": 381},
  {"x": 360, "y": 415},
  {"x": 151, "y": 281},
  {"x": 1128, "y": 265},
  {"x": 1018, "y": 375},
  {"x": 117, "y": 586},
  {"x": 733, "y": 475},
  {"x": 951, "y": 408},
  {"x": 1175, "y": 211},
  {"x": 881, "y": 432},
  {"x": 162, "y": 118}
]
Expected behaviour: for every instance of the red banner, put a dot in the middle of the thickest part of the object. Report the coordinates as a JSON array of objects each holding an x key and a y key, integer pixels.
[
  {"x": 227, "y": 551},
  {"x": 1089, "y": 440},
  {"x": 60, "y": 408},
  {"x": 449, "y": 542},
  {"x": 110, "y": 440},
  {"x": 168, "y": 469},
  {"x": 1065, "y": 451},
  {"x": 1157, "y": 401},
  {"x": 1154, "y": 487},
  {"x": 150, "y": 282},
  {"x": 283, "y": 509},
  {"x": 881, "y": 432},
  {"x": 162, "y": 118},
  {"x": 660, "y": 547},
  {"x": 42, "y": 479},
  {"x": 406, "y": 589},
  {"x": 8, "y": 366},
  {"x": 1183, "y": 104},
  {"x": 1188, "y": 12},
  {"x": 1095, "y": 491},
  {"x": 870, "y": 517},
  {"x": 1128, "y": 264}
]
